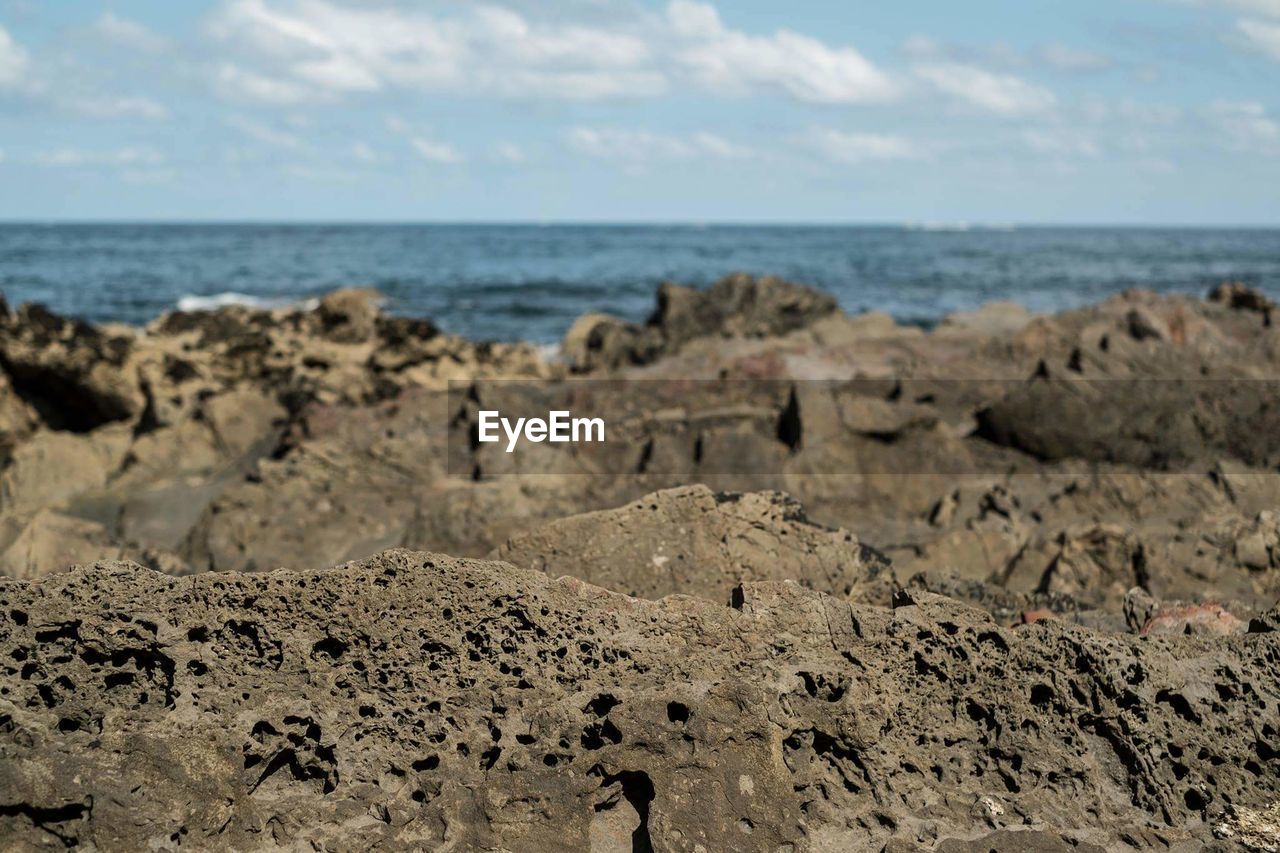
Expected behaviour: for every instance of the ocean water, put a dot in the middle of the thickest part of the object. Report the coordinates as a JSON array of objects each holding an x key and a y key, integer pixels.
[{"x": 530, "y": 282}]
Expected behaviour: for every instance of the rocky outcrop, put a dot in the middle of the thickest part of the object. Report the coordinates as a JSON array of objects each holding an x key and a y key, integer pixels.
[
  {"x": 414, "y": 700},
  {"x": 141, "y": 431},
  {"x": 693, "y": 541},
  {"x": 986, "y": 450},
  {"x": 738, "y": 306}
]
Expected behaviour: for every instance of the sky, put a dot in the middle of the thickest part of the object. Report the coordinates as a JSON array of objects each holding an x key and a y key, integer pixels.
[{"x": 931, "y": 111}]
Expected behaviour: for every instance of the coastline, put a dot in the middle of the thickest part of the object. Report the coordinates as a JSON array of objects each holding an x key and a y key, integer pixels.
[{"x": 807, "y": 491}]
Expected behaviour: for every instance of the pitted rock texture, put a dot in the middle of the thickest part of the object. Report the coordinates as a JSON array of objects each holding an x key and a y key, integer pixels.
[
  {"x": 695, "y": 541},
  {"x": 418, "y": 701}
]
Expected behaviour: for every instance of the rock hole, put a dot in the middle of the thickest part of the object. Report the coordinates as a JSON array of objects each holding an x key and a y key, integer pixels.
[{"x": 790, "y": 428}]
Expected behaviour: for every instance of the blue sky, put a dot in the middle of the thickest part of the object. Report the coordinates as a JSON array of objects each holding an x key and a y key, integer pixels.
[{"x": 1090, "y": 111}]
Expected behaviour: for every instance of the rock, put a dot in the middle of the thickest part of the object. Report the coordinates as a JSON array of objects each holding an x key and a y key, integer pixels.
[
  {"x": 1031, "y": 617},
  {"x": 737, "y": 306},
  {"x": 349, "y": 316},
  {"x": 74, "y": 375},
  {"x": 1207, "y": 618},
  {"x": 693, "y": 541},
  {"x": 1095, "y": 562},
  {"x": 1170, "y": 424},
  {"x": 1252, "y": 551},
  {"x": 1144, "y": 324},
  {"x": 51, "y": 541},
  {"x": 596, "y": 341},
  {"x": 51, "y": 468},
  {"x": 1253, "y": 829},
  {"x": 994, "y": 318},
  {"x": 413, "y": 700},
  {"x": 1237, "y": 295},
  {"x": 1257, "y": 546}
]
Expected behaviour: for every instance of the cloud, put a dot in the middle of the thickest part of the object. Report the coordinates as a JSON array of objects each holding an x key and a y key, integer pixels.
[
  {"x": 805, "y": 68},
  {"x": 1002, "y": 94},
  {"x": 509, "y": 152},
  {"x": 319, "y": 46},
  {"x": 129, "y": 33},
  {"x": 1056, "y": 57},
  {"x": 70, "y": 158},
  {"x": 1258, "y": 30},
  {"x": 238, "y": 84},
  {"x": 13, "y": 61},
  {"x": 1247, "y": 127},
  {"x": 639, "y": 146},
  {"x": 1261, "y": 35},
  {"x": 854, "y": 148},
  {"x": 718, "y": 146},
  {"x": 1264, "y": 8},
  {"x": 264, "y": 133},
  {"x": 1064, "y": 58},
  {"x": 436, "y": 152},
  {"x": 117, "y": 107},
  {"x": 1063, "y": 142},
  {"x": 362, "y": 152},
  {"x": 323, "y": 46}
]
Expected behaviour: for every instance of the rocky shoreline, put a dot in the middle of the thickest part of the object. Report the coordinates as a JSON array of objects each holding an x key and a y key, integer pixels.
[{"x": 1007, "y": 584}]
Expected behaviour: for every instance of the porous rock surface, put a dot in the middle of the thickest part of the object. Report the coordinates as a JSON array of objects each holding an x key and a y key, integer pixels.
[{"x": 413, "y": 700}]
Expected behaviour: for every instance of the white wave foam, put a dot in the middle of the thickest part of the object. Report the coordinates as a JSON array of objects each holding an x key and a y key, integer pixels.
[
  {"x": 221, "y": 300},
  {"x": 212, "y": 302},
  {"x": 550, "y": 353}
]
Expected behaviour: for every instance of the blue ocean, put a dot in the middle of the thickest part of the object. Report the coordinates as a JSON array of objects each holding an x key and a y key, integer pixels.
[{"x": 529, "y": 282}]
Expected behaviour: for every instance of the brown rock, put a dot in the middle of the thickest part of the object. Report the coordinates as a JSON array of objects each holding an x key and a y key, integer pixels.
[
  {"x": 1205, "y": 618},
  {"x": 413, "y": 700},
  {"x": 1238, "y": 295},
  {"x": 694, "y": 541}
]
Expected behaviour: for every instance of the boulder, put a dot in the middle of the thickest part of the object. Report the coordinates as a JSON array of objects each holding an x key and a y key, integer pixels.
[
  {"x": 413, "y": 700},
  {"x": 693, "y": 541}
]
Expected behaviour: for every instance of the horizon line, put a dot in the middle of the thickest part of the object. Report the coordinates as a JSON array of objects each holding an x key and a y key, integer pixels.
[{"x": 923, "y": 225}]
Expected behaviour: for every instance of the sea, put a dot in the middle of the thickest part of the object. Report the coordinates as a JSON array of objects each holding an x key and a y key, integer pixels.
[{"x": 529, "y": 282}]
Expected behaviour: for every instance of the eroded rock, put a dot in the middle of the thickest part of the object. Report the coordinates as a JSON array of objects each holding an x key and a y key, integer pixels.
[{"x": 413, "y": 699}]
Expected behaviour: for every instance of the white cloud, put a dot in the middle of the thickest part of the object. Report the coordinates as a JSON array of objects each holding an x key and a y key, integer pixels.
[
  {"x": 1003, "y": 94},
  {"x": 1262, "y": 35},
  {"x": 323, "y": 46},
  {"x": 807, "y": 69},
  {"x": 117, "y": 107},
  {"x": 436, "y": 152},
  {"x": 718, "y": 146},
  {"x": 239, "y": 84},
  {"x": 1062, "y": 142},
  {"x": 634, "y": 145},
  {"x": 509, "y": 152},
  {"x": 1247, "y": 126},
  {"x": 639, "y": 146},
  {"x": 362, "y": 152},
  {"x": 337, "y": 49},
  {"x": 13, "y": 61},
  {"x": 1265, "y": 8},
  {"x": 1065, "y": 58},
  {"x": 129, "y": 33},
  {"x": 264, "y": 133},
  {"x": 854, "y": 148},
  {"x": 131, "y": 156}
]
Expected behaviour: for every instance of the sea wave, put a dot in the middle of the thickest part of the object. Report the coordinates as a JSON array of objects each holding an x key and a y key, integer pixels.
[{"x": 214, "y": 301}]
